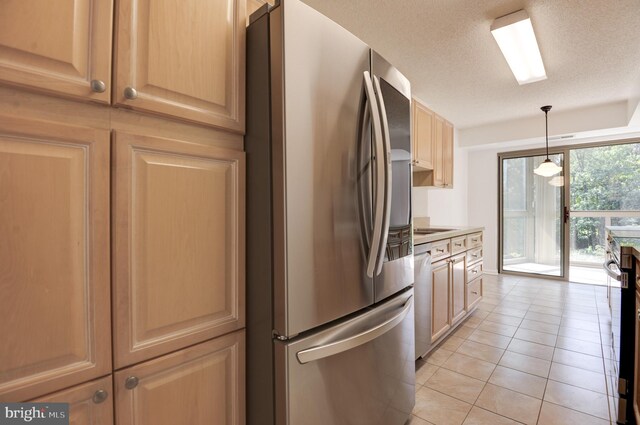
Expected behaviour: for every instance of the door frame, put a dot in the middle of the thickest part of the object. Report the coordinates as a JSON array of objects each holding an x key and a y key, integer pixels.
[{"x": 566, "y": 198}]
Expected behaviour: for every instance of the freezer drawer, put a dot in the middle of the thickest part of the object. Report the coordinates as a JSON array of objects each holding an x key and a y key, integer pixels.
[{"x": 359, "y": 372}]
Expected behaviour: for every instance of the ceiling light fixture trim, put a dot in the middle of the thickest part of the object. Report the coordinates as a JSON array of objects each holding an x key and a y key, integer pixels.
[{"x": 517, "y": 41}]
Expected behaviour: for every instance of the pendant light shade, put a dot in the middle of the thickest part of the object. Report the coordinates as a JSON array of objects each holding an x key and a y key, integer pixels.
[{"x": 548, "y": 168}]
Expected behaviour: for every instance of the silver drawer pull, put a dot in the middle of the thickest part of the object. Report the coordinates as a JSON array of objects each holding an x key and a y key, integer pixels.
[
  {"x": 475, "y": 255},
  {"x": 98, "y": 86},
  {"x": 131, "y": 382},
  {"x": 130, "y": 93},
  {"x": 459, "y": 244},
  {"x": 439, "y": 250},
  {"x": 474, "y": 292},
  {"x": 474, "y": 271},
  {"x": 100, "y": 396},
  {"x": 474, "y": 240}
]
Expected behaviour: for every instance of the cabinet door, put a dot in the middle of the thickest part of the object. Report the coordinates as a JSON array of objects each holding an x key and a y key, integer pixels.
[
  {"x": 458, "y": 280},
  {"x": 54, "y": 256},
  {"x": 184, "y": 58},
  {"x": 89, "y": 404},
  {"x": 440, "y": 299},
  {"x": 202, "y": 385},
  {"x": 447, "y": 154},
  {"x": 57, "y": 46},
  {"x": 423, "y": 133},
  {"x": 438, "y": 151},
  {"x": 178, "y": 247}
]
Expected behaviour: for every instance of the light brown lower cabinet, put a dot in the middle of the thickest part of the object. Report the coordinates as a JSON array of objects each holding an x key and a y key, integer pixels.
[
  {"x": 440, "y": 298},
  {"x": 458, "y": 280},
  {"x": 89, "y": 404},
  {"x": 201, "y": 385}
]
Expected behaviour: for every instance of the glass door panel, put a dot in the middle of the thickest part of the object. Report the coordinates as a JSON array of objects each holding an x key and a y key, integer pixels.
[{"x": 531, "y": 217}]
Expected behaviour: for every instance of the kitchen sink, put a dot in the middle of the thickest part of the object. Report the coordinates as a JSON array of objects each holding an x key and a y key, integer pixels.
[{"x": 431, "y": 231}]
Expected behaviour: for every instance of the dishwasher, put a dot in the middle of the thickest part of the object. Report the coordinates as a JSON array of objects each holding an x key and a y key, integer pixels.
[{"x": 422, "y": 298}]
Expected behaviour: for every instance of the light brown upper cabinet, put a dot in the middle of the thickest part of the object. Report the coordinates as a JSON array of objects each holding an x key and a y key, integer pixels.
[
  {"x": 178, "y": 250},
  {"x": 423, "y": 136},
  {"x": 54, "y": 256},
  {"x": 433, "y": 148},
  {"x": 201, "y": 385},
  {"x": 62, "y": 46},
  {"x": 447, "y": 155},
  {"x": 182, "y": 58}
]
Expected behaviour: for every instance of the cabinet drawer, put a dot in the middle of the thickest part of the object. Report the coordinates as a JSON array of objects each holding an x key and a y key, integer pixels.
[
  {"x": 474, "y": 271},
  {"x": 474, "y": 293},
  {"x": 474, "y": 255},
  {"x": 474, "y": 240},
  {"x": 440, "y": 249},
  {"x": 458, "y": 244}
]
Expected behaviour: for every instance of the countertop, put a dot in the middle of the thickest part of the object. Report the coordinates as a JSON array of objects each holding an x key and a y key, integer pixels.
[
  {"x": 627, "y": 236},
  {"x": 455, "y": 231}
]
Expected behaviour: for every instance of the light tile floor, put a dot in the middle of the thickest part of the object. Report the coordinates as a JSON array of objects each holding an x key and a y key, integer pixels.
[{"x": 535, "y": 351}]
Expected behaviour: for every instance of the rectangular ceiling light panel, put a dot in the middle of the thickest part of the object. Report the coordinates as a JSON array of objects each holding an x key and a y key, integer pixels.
[{"x": 515, "y": 37}]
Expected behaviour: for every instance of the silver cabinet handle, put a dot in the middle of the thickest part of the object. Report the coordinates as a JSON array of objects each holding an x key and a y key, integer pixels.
[
  {"x": 607, "y": 268},
  {"x": 474, "y": 292},
  {"x": 387, "y": 175},
  {"x": 317, "y": 353},
  {"x": 459, "y": 244},
  {"x": 475, "y": 255},
  {"x": 100, "y": 396},
  {"x": 130, "y": 93},
  {"x": 131, "y": 382},
  {"x": 474, "y": 271},
  {"x": 98, "y": 86},
  {"x": 439, "y": 250}
]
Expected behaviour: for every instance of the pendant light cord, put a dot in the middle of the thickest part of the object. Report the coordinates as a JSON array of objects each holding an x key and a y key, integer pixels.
[{"x": 546, "y": 110}]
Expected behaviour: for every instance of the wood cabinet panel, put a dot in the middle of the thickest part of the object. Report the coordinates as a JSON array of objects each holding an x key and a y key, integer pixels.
[
  {"x": 178, "y": 247},
  {"x": 474, "y": 293},
  {"x": 54, "y": 256},
  {"x": 440, "y": 301},
  {"x": 438, "y": 151},
  {"x": 57, "y": 46},
  {"x": 184, "y": 58},
  {"x": 423, "y": 136},
  {"x": 458, "y": 280},
  {"x": 202, "y": 385},
  {"x": 89, "y": 404},
  {"x": 447, "y": 154}
]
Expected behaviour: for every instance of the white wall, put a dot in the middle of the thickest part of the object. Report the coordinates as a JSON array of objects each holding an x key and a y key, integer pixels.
[{"x": 446, "y": 207}]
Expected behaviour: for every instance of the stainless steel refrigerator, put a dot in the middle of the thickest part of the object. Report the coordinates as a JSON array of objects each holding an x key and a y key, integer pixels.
[{"x": 330, "y": 327}]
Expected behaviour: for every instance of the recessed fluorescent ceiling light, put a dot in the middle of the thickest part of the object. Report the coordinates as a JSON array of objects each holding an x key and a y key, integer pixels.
[{"x": 515, "y": 37}]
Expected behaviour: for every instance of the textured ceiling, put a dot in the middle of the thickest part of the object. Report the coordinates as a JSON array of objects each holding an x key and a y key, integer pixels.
[{"x": 590, "y": 48}]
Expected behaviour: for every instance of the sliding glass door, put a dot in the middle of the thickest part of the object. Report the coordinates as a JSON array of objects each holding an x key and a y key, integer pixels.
[{"x": 531, "y": 217}]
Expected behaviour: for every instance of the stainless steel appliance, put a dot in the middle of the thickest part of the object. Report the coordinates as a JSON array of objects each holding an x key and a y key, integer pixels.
[
  {"x": 621, "y": 268},
  {"x": 329, "y": 242},
  {"x": 422, "y": 289}
]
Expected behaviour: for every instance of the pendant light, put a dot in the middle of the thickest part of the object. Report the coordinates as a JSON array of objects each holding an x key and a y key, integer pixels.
[{"x": 548, "y": 168}]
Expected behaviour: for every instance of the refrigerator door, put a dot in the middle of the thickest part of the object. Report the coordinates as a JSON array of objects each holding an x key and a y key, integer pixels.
[
  {"x": 360, "y": 372},
  {"x": 395, "y": 258},
  {"x": 319, "y": 265}
]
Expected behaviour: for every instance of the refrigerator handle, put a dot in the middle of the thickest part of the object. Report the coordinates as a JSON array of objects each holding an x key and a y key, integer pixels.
[
  {"x": 351, "y": 342},
  {"x": 379, "y": 171},
  {"x": 387, "y": 176}
]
